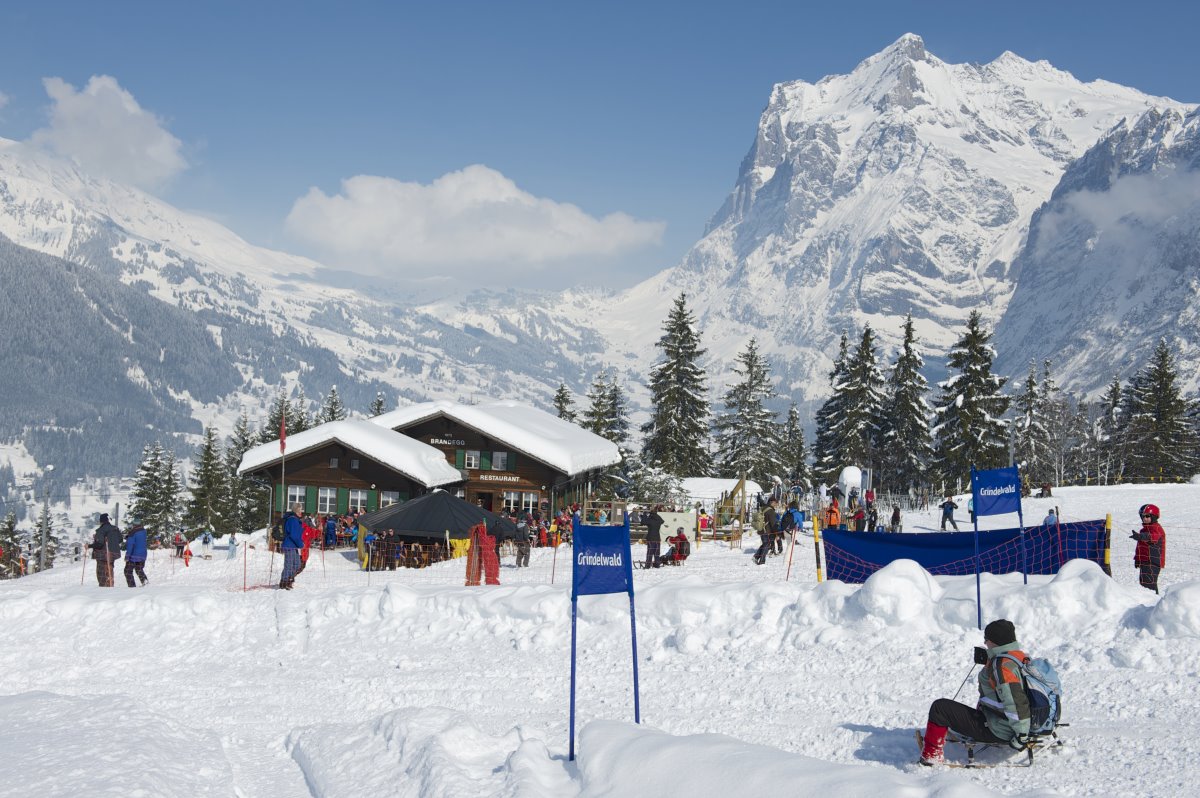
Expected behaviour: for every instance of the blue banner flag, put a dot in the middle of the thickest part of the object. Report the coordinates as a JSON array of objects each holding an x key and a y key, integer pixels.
[
  {"x": 997, "y": 491},
  {"x": 602, "y": 563}
]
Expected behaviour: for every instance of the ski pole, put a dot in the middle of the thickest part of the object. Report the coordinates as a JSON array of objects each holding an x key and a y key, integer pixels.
[{"x": 964, "y": 682}]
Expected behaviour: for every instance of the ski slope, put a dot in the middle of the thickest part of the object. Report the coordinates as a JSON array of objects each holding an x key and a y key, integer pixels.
[{"x": 750, "y": 685}]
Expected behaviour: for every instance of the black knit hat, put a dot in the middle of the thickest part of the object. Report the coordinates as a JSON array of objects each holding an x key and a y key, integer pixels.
[{"x": 1000, "y": 632}]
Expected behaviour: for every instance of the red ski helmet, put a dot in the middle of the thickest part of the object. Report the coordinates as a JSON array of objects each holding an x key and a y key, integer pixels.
[{"x": 1150, "y": 510}]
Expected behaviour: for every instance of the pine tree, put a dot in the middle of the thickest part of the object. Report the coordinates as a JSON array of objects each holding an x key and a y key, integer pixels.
[
  {"x": 618, "y": 406},
  {"x": 747, "y": 433},
  {"x": 1031, "y": 437},
  {"x": 564, "y": 405},
  {"x": 905, "y": 443},
  {"x": 828, "y": 459},
  {"x": 332, "y": 408},
  {"x": 1161, "y": 435},
  {"x": 247, "y": 499},
  {"x": 145, "y": 500},
  {"x": 598, "y": 414},
  {"x": 378, "y": 406},
  {"x": 43, "y": 535},
  {"x": 968, "y": 417},
  {"x": 209, "y": 487},
  {"x": 793, "y": 452},
  {"x": 299, "y": 417},
  {"x": 10, "y": 543},
  {"x": 279, "y": 410},
  {"x": 170, "y": 495},
  {"x": 862, "y": 404},
  {"x": 676, "y": 435},
  {"x": 1110, "y": 434}
]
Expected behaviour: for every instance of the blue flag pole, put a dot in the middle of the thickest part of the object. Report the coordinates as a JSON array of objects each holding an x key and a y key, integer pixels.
[
  {"x": 637, "y": 704},
  {"x": 1024, "y": 537},
  {"x": 574, "y": 608},
  {"x": 978, "y": 587}
]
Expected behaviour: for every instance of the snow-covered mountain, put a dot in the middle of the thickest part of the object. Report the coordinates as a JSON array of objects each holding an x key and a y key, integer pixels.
[
  {"x": 1112, "y": 261},
  {"x": 905, "y": 186}
]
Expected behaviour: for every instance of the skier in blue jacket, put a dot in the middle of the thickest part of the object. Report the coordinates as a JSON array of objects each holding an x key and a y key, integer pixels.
[
  {"x": 135, "y": 554},
  {"x": 293, "y": 543}
]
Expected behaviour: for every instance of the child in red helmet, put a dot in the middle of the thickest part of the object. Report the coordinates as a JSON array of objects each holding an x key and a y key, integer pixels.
[{"x": 1151, "y": 553}]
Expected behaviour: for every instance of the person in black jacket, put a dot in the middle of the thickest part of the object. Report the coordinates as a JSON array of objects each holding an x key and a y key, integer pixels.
[
  {"x": 770, "y": 528},
  {"x": 653, "y": 522},
  {"x": 106, "y": 549}
]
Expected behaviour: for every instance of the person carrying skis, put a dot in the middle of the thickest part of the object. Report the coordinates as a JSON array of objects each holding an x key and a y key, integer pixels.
[
  {"x": 1002, "y": 713},
  {"x": 1151, "y": 553}
]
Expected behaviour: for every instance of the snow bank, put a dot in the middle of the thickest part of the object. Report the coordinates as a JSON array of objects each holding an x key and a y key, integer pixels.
[
  {"x": 105, "y": 746},
  {"x": 1178, "y": 613}
]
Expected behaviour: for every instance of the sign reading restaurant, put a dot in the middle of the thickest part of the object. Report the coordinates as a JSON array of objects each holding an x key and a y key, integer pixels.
[
  {"x": 447, "y": 442},
  {"x": 499, "y": 478}
]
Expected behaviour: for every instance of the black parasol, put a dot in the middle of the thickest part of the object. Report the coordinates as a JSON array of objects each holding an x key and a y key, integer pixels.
[{"x": 435, "y": 514}]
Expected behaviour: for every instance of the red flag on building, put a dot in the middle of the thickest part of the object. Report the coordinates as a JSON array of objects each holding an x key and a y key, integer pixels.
[{"x": 282, "y": 434}]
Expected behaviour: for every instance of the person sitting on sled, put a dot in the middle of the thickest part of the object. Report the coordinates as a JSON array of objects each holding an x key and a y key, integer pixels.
[{"x": 1002, "y": 714}]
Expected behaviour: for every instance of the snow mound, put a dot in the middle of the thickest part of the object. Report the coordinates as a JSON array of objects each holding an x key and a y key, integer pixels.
[
  {"x": 105, "y": 746},
  {"x": 427, "y": 752},
  {"x": 623, "y": 759},
  {"x": 1177, "y": 614},
  {"x": 899, "y": 594}
]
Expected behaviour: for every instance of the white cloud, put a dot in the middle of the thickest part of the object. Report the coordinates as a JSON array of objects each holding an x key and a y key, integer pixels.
[
  {"x": 104, "y": 130},
  {"x": 472, "y": 222}
]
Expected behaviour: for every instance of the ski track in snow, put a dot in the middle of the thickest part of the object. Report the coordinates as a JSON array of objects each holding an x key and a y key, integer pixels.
[{"x": 749, "y": 685}]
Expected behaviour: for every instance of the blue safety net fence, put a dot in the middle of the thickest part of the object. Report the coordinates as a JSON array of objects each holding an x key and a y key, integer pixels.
[{"x": 854, "y": 556}]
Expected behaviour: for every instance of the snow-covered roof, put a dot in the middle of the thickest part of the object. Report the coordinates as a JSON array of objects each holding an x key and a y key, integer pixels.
[
  {"x": 560, "y": 444},
  {"x": 712, "y": 488},
  {"x": 416, "y": 460}
]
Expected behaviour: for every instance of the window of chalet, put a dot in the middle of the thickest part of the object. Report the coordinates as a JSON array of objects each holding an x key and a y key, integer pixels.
[
  {"x": 529, "y": 501},
  {"x": 326, "y": 500},
  {"x": 358, "y": 500},
  {"x": 512, "y": 500},
  {"x": 388, "y": 497},
  {"x": 333, "y": 461},
  {"x": 499, "y": 461},
  {"x": 472, "y": 459},
  {"x": 296, "y": 493}
]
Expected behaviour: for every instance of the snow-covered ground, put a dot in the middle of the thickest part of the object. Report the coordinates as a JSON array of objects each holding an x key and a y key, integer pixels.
[{"x": 416, "y": 685}]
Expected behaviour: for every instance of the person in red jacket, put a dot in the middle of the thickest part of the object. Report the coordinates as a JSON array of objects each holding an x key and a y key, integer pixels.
[
  {"x": 309, "y": 534},
  {"x": 1150, "y": 556}
]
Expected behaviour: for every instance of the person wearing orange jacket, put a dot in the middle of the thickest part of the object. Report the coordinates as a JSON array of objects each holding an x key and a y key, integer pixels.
[
  {"x": 833, "y": 515},
  {"x": 1150, "y": 556}
]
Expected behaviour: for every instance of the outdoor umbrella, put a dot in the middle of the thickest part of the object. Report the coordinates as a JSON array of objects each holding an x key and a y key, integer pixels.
[{"x": 436, "y": 514}]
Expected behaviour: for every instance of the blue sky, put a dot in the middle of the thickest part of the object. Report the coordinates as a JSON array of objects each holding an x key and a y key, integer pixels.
[{"x": 622, "y": 124}]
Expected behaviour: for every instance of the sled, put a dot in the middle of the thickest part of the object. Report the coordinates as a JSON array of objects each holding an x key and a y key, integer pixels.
[{"x": 1048, "y": 741}]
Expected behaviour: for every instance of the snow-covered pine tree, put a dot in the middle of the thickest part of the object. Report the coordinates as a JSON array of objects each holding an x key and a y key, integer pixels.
[
  {"x": 208, "y": 486},
  {"x": 1031, "y": 438},
  {"x": 332, "y": 408},
  {"x": 618, "y": 407},
  {"x": 793, "y": 452},
  {"x": 43, "y": 534},
  {"x": 747, "y": 433},
  {"x": 378, "y": 406},
  {"x": 968, "y": 417},
  {"x": 1161, "y": 435},
  {"x": 906, "y": 449},
  {"x": 564, "y": 405},
  {"x": 247, "y": 499},
  {"x": 299, "y": 417},
  {"x": 676, "y": 435},
  {"x": 598, "y": 412},
  {"x": 10, "y": 543},
  {"x": 280, "y": 409},
  {"x": 170, "y": 495},
  {"x": 145, "y": 500},
  {"x": 862, "y": 406},
  {"x": 650, "y": 484},
  {"x": 827, "y": 451}
]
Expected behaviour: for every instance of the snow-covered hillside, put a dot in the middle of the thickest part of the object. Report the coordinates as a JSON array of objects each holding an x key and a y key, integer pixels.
[{"x": 750, "y": 685}]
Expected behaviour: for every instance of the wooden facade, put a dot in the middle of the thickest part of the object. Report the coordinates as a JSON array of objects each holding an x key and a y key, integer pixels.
[
  {"x": 497, "y": 476},
  {"x": 336, "y": 478}
]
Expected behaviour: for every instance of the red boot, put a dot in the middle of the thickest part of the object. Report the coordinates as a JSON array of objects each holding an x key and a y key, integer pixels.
[{"x": 935, "y": 744}]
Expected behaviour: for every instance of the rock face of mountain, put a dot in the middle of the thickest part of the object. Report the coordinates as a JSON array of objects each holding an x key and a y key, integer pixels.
[
  {"x": 904, "y": 186},
  {"x": 1112, "y": 261}
]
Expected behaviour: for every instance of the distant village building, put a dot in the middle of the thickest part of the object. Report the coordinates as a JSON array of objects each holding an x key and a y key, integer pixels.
[{"x": 503, "y": 455}]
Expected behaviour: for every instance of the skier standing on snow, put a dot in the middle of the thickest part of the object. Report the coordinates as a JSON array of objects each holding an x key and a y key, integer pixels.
[
  {"x": 1151, "y": 553},
  {"x": 106, "y": 550},
  {"x": 770, "y": 528},
  {"x": 948, "y": 508},
  {"x": 654, "y": 523},
  {"x": 1002, "y": 714},
  {"x": 135, "y": 554}
]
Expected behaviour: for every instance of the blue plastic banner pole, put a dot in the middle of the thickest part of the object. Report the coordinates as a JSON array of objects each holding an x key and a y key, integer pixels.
[
  {"x": 978, "y": 587},
  {"x": 574, "y": 607},
  {"x": 1024, "y": 537},
  {"x": 637, "y": 704}
]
